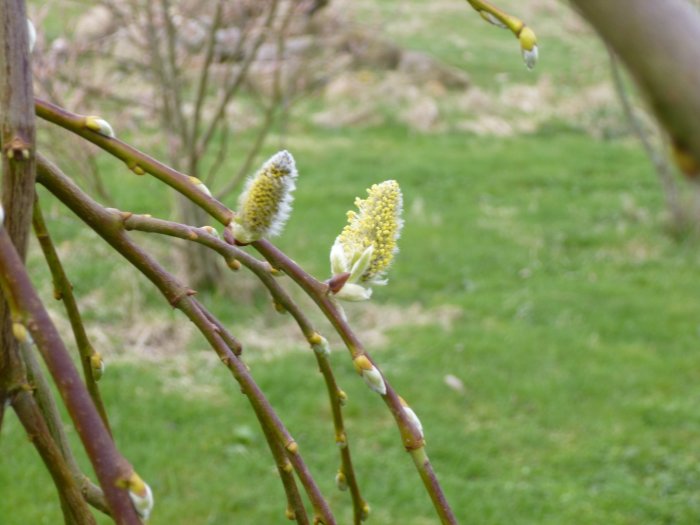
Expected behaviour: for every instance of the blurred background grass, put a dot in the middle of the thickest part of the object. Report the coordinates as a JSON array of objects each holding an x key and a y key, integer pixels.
[{"x": 539, "y": 318}]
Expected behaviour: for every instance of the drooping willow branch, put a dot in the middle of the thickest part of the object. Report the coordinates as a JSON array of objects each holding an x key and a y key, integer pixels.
[
  {"x": 18, "y": 179},
  {"x": 63, "y": 290},
  {"x": 75, "y": 510},
  {"x": 264, "y": 273},
  {"x": 411, "y": 437},
  {"x": 28, "y": 314},
  {"x": 109, "y": 226},
  {"x": 49, "y": 410},
  {"x": 136, "y": 161}
]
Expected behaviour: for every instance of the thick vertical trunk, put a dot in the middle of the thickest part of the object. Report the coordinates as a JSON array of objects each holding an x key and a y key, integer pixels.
[{"x": 17, "y": 136}]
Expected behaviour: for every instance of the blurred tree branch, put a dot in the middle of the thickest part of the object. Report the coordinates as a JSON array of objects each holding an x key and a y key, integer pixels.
[{"x": 659, "y": 43}]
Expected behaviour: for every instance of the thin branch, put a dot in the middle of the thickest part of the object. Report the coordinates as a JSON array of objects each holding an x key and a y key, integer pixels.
[
  {"x": 235, "y": 85},
  {"x": 283, "y": 447},
  {"x": 262, "y": 270},
  {"x": 657, "y": 159},
  {"x": 27, "y": 310},
  {"x": 203, "y": 81},
  {"x": 136, "y": 160},
  {"x": 412, "y": 438},
  {"x": 47, "y": 404},
  {"x": 63, "y": 290},
  {"x": 74, "y": 507},
  {"x": 110, "y": 227}
]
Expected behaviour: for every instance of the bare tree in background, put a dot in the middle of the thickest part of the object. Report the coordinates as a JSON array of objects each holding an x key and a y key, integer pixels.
[{"x": 195, "y": 74}]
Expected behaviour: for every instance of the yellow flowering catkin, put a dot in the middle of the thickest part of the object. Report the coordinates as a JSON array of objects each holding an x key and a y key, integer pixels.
[
  {"x": 376, "y": 224},
  {"x": 265, "y": 203}
]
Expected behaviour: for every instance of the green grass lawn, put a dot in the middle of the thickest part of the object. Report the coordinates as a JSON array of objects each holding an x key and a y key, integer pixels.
[{"x": 576, "y": 324}]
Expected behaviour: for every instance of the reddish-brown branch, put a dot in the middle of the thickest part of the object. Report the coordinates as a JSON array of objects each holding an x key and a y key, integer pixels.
[
  {"x": 110, "y": 227},
  {"x": 111, "y": 468},
  {"x": 63, "y": 291},
  {"x": 74, "y": 507},
  {"x": 410, "y": 435},
  {"x": 17, "y": 141},
  {"x": 49, "y": 409},
  {"x": 135, "y": 159},
  {"x": 262, "y": 270}
]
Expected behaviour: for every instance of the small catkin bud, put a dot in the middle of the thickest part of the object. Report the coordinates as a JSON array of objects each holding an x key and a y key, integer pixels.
[
  {"x": 341, "y": 440},
  {"x": 138, "y": 170},
  {"x": 320, "y": 345},
  {"x": 265, "y": 203},
  {"x": 342, "y": 397},
  {"x": 528, "y": 46},
  {"x": 341, "y": 481},
  {"x": 290, "y": 514},
  {"x": 200, "y": 186},
  {"x": 99, "y": 125},
  {"x": 211, "y": 231},
  {"x": 370, "y": 373},
  {"x": 141, "y": 495},
  {"x": 411, "y": 416},
  {"x": 21, "y": 333},
  {"x": 279, "y": 307},
  {"x": 491, "y": 19},
  {"x": 365, "y": 511},
  {"x": 97, "y": 365}
]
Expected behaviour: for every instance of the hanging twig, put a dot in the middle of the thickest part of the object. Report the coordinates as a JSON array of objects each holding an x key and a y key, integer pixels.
[
  {"x": 110, "y": 227},
  {"x": 75, "y": 510},
  {"x": 411, "y": 436},
  {"x": 63, "y": 290},
  {"x": 137, "y": 161},
  {"x": 661, "y": 165},
  {"x": 264, "y": 273},
  {"x": 47, "y": 404},
  {"x": 28, "y": 314}
]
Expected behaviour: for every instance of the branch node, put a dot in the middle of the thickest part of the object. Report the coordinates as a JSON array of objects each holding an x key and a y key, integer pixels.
[
  {"x": 18, "y": 149},
  {"x": 133, "y": 166},
  {"x": 179, "y": 297},
  {"x": 292, "y": 447},
  {"x": 234, "y": 264}
]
